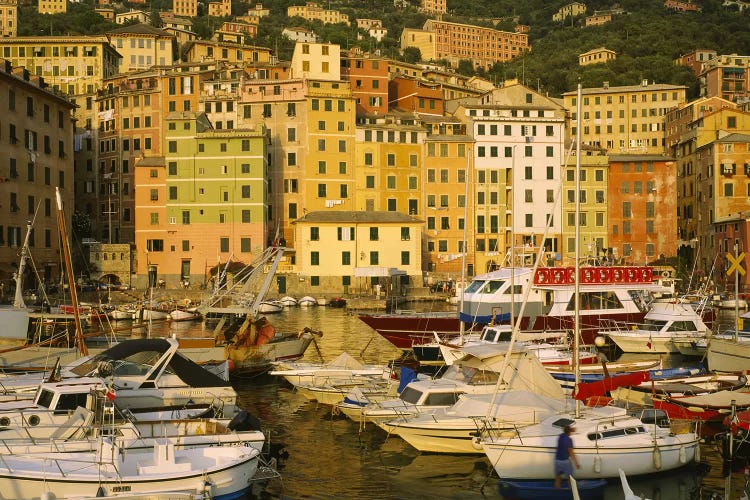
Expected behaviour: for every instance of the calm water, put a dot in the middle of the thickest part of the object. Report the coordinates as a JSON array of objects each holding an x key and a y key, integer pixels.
[{"x": 331, "y": 457}]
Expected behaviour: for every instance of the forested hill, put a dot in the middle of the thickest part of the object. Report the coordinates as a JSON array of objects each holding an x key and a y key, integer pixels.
[{"x": 647, "y": 37}]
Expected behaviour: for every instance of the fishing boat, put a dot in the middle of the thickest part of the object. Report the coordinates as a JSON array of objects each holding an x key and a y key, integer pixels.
[
  {"x": 288, "y": 301},
  {"x": 730, "y": 352},
  {"x": 664, "y": 323},
  {"x": 712, "y": 406},
  {"x": 270, "y": 307},
  {"x": 184, "y": 315},
  {"x": 223, "y": 472}
]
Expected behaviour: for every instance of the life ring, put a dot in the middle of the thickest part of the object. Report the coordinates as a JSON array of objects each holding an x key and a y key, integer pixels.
[
  {"x": 617, "y": 275},
  {"x": 647, "y": 275},
  {"x": 605, "y": 275},
  {"x": 557, "y": 276},
  {"x": 630, "y": 275},
  {"x": 587, "y": 276},
  {"x": 571, "y": 275}
]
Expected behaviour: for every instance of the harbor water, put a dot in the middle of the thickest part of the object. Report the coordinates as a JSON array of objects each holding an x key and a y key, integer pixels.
[{"x": 323, "y": 455}]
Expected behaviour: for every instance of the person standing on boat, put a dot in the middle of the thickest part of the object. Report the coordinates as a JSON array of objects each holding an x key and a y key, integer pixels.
[{"x": 565, "y": 456}]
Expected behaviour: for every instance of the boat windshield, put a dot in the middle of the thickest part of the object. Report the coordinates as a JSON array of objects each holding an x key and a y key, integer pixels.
[
  {"x": 596, "y": 300},
  {"x": 138, "y": 363},
  {"x": 469, "y": 375},
  {"x": 480, "y": 286},
  {"x": 651, "y": 325},
  {"x": 410, "y": 395},
  {"x": 682, "y": 326}
]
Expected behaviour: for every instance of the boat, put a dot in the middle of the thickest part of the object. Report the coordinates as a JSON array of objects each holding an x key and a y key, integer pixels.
[
  {"x": 664, "y": 322},
  {"x": 454, "y": 429},
  {"x": 184, "y": 315},
  {"x": 712, "y": 406},
  {"x": 692, "y": 385},
  {"x": 219, "y": 471},
  {"x": 122, "y": 313},
  {"x": 288, "y": 301},
  {"x": 153, "y": 314},
  {"x": 607, "y": 439},
  {"x": 307, "y": 301},
  {"x": 545, "y": 490},
  {"x": 270, "y": 307},
  {"x": 322, "y": 301},
  {"x": 337, "y": 302},
  {"x": 344, "y": 367},
  {"x": 621, "y": 293},
  {"x": 727, "y": 301},
  {"x": 731, "y": 352}
]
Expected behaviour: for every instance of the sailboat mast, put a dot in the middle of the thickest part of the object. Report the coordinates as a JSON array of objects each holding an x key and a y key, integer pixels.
[
  {"x": 466, "y": 241},
  {"x": 69, "y": 271},
  {"x": 577, "y": 285},
  {"x": 18, "y": 297}
]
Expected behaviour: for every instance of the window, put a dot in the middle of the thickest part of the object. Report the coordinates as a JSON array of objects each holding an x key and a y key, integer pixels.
[
  {"x": 346, "y": 258},
  {"x": 154, "y": 194},
  {"x": 186, "y": 216},
  {"x": 374, "y": 233},
  {"x": 321, "y": 190},
  {"x": 626, "y": 211},
  {"x": 374, "y": 258},
  {"x": 245, "y": 246},
  {"x": 405, "y": 258},
  {"x": 314, "y": 233}
]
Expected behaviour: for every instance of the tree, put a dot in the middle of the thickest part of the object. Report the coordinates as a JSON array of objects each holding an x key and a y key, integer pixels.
[{"x": 412, "y": 55}]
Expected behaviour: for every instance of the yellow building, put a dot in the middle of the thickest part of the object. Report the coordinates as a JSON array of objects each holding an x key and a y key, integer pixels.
[
  {"x": 570, "y": 10},
  {"x": 447, "y": 174},
  {"x": 596, "y": 56},
  {"x": 419, "y": 39},
  {"x": 433, "y": 6},
  {"x": 37, "y": 157},
  {"x": 52, "y": 6},
  {"x": 627, "y": 119},
  {"x": 74, "y": 65},
  {"x": 316, "y": 61},
  {"x": 185, "y": 8},
  {"x": 142, "y": 46},
  {"x": 312, "y": 11},
  {"x": 593, "y": 208},
  {"x": 8, "y": 18},
  {"x": 208, "y": 199},
  {"x": 354, "y": 251},
  {"x": 222, "y": 8},
  {"x": 388, "y": 160},
  {"x": 205, "y": 50},
  {"x": 329, "y": 170}
]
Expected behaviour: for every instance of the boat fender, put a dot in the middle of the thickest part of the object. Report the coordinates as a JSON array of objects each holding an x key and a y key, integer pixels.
[
  {"x": 598, "y": 464},
  {"x": 682, "y": 455},
  {"x": 657, "y": 458},
  {"x": 243, "y": 421},
  {"x": 476, "y": 443},
  {"x": 47, "y": 495}
]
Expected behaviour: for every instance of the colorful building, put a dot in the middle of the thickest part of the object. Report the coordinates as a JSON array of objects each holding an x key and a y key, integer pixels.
[
  {"x": 314, "y": 12},
  {"x": 726, "y": 76},
  {"x": 368, "y": 77},
  {"x": 570, "y": 10},
  {"x": 142, "y": 46},
  {"x": 596, "y": 56},
  {"x": 8, "y": 18}
]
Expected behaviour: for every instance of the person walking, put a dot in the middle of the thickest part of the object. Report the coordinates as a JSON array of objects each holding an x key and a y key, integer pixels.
[{"x": 565, "y": 456}]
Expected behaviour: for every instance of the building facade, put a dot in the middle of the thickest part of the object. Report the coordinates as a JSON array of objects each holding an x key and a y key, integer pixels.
[{"x": 8, "y": 18}]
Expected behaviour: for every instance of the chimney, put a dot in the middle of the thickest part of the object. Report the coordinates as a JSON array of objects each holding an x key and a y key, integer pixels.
[
  {"x": 644, "y": 82},
  {"x": 605, "y": 85}
]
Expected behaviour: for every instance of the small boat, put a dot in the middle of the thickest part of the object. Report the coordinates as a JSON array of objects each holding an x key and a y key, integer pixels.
[
  {"x": 218, "y": 471},
  {"x": 288, "y": 301},
  {"x": 337, "y": 302},
  {"x": 153, "y": 314},
  {"x": 323, "y": 301},
  {"x": 679, "y": 386},
  {"x": 344, "y": 367},
  {"x": 592, "y": 489},
  {"x": 726, "y": 301},
  {"x": 270, "y": 307},
  {"x": 704, "y": 407},
  {"x": 307, "y": 301},
  {"x": 184, "y": 315},
  {"x": 627, "y": 490}
]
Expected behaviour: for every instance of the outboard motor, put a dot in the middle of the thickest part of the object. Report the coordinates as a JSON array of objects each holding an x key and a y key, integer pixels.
[{"x": 243, "y": 421}]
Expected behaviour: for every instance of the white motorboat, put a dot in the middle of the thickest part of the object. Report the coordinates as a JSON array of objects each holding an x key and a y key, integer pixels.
[
  {"x": 270, "y": 307},
  {"x": 456, "y": 429},
  {"x": 477, "y": 373},
  {"x": 288, "y": 301},
  {"x": 323, "y": 301},
  {"x": 122, "y": 313},
  {"x": 679, "y": 386},
  {"x": 184, "y": 315},
  {"x": 342, "y": 368},
  {"x": 307, "y": 301},
  {"x": 152, "y": 314},
  {"x": 218, "y": 471},
  {"x": 606, "y": 439},
  {"x": 665, "y": 322}
]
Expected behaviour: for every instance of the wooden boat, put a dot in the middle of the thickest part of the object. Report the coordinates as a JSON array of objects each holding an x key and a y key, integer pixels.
[
  {"x": 184, "y": 315},
  {"x": 270, "y": 307},
  {"x": 679, "y": 386},
  {"x": 592, "y": 489},
  {"x": 706, "y": 407}
]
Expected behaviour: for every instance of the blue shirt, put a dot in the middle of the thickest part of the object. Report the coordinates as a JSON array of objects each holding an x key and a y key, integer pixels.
[{"x": 564, "y": 444}]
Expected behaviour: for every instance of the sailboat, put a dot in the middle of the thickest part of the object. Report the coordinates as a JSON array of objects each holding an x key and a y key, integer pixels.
[{"x": 607, "y": 438}]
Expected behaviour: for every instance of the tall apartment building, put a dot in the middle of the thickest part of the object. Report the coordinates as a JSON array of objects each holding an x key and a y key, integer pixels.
[
  {"x": 185, "y": 8},
  {"x": 52, "y": 6},
  {"x": 74, "y": 65},
  {"x": 198, "y": 51},
  {"x": 627, "y": 119},
  {"x": 726, "y": 76},
  {"x": 220, "y": 97},
  {"x": 142, "y": 46},
  {"x": 448, "y": 184},
  {"x": 37, "y": 150},
  {"x": 593, "y": 225},
  {"x": 641, "y": 204},
  {"x": 455, "y": 42},
  {"x": 368, "y": 77},
  {"x": 679, "y": 121},
  {"x": 222, "y": 8},
  {"x": 208, "y": 199},
  {"x": 8, "y": 18},
  {"x": 519, "y": 136},
  {"x": 316, "y": 61},
  {"x": 313, "y": 11}
]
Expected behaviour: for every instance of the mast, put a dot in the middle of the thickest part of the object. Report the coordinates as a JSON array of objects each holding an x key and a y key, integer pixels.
[
  {"x": 577, "y": 289},
  {"x": 18, "y": 302},
  {"x": 69, "y": 271},
  {"x": 466, "y": 242}
]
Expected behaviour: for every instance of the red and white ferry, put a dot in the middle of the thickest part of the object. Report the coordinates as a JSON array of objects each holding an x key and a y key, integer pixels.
[{"x": 621, "y": 293}]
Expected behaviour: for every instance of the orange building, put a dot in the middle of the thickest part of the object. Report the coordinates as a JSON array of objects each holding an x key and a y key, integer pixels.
[
  {"x": 641, "y": 207},
  {"x": 726, "y": 76},
  {"x": 696, "y": 59},
  {"x": 369, "y": 82},
  {"x": 416, "y": 95}
]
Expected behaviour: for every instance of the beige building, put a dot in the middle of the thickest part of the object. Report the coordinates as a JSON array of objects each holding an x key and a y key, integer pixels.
[
  {"x": 133, "y": 15},
  {"x": 52, "y": 6},
  {"x": 74, "y": 65},
  {"x": 37, "y": 150},
  {"x": 312, "y": 11},
  {"x": 419, "y": 39},
  {"x": 570, "y": 10},
  {"x": 433, "y": 6},
  {"x": 8, "y": 17},
  {"x": 206, "y": 50},
  {"x": 222, "y": 8},
  {"x": 111, "y": 263},
  {"x": 185, "y": 8},
  {"x": 596, "y": 56},
  {"x": 142, "y": 46},
  {"x": 316, "y": 61},
  {"x": 627, "y": 119},
  {"x": 356, "y": 251}
]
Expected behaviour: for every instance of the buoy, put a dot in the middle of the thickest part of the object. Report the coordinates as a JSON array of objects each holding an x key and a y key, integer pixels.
[
  {"x": 598, "y": 464},
  {"x": 657, "y": 458},
  {"x": 230, "y": 365},
  {"x": 682, "y": 456},
  {"x": 600, "y": 341}
]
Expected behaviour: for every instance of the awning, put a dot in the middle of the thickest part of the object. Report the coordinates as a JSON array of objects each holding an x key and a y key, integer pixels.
[{"x": 377, "y": 271}]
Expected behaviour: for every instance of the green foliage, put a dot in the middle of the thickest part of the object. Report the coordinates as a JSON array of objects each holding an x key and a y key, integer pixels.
[
  {"x": 82, "y": 227},
  {"x": 80, "y": 19},
  {"x": 412, "y": 55}
]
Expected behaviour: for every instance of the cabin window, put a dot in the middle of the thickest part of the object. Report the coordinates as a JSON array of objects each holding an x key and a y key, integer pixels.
[
  {"x": 410, "y": 395},
  {"x": 442, "y": 399},
  {"x": 45, "y": 398},
  {"x": 69, "y": 402}
]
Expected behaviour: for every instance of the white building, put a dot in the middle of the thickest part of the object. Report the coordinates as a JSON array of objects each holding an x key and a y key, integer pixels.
[{"x": 300, "y": 35}]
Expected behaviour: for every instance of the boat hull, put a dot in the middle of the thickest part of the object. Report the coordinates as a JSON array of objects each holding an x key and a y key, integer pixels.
[{"x": 728, "y": 355}]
